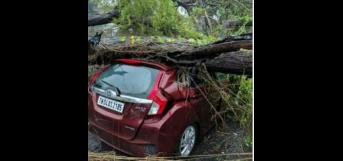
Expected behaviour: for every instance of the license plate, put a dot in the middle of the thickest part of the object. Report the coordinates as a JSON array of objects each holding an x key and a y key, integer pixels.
[{"x": 111, "y": 104}]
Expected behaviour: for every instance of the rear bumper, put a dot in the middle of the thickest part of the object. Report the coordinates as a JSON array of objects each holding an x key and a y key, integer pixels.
[{"x": 148, "y": 141}]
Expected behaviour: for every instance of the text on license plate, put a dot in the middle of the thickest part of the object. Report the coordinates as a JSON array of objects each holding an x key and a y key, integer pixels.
[{"x": 111, "y": 104}]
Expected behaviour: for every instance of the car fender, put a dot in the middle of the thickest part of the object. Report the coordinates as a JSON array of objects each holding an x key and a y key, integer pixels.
[{"x": 176, "y": 120}]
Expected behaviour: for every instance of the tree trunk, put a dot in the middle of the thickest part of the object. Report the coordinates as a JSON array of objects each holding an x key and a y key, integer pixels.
[
  {"x": 239, "y": 62},
  {"x": 102, "y": 19},
  {"x": 211, "y": 50},
  {"x": 223, "y": 56}
]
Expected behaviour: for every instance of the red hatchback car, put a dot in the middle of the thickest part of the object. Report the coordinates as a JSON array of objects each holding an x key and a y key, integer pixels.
[{"x": 138, "y": 107}]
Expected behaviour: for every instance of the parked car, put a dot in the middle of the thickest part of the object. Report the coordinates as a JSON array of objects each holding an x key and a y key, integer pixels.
[{"x": 138, "y": 108}]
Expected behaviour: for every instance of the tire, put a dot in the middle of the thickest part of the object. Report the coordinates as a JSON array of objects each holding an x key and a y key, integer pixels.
[
  {"x": 187, "y": 140},
  {"x": 96, "y": 145}
]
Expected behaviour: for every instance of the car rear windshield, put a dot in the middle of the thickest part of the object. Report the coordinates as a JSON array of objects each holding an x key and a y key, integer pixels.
[{"x": 136, "y": 81}]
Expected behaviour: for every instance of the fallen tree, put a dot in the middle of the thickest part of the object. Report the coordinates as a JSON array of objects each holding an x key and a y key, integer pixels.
[{"x": 224, "y": 56}]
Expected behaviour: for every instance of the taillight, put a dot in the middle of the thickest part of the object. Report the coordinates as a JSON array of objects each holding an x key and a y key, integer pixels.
[
  {"x": 158, "y": 105},
  {"x": 96, "y": 75},
  {"x": 159, "y": 102}
]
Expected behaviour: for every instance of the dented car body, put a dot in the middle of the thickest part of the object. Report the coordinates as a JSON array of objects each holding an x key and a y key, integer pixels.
[{"x": 138, "y": 107}]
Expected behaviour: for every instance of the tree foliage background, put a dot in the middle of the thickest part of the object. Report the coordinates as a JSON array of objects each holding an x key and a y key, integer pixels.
[{"x": 203, "y": 19}]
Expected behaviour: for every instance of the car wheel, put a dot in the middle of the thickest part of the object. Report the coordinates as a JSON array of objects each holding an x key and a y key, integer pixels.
[
  {"x": 96, "y": 145},
  {"x": 187, "y": 140}
]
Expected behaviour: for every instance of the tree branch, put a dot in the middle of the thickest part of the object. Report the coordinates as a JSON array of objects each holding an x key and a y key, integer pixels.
[{"x": 102, "y": 19}]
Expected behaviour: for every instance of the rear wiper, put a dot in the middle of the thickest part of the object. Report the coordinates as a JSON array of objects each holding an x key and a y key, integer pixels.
[{"x": 109, "y": 84}]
